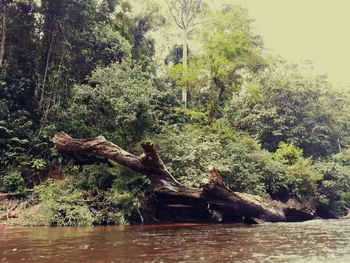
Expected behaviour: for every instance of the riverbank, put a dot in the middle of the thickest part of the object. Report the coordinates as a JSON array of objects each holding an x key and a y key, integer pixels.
[{"x": 15, "y": 212}]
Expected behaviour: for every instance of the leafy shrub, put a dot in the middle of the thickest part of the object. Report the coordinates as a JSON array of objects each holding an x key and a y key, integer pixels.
[
  {"x": 95, "y": 177},
  {"x": 118, "y": 101},
  {"x": 103, "y": 193},
  {"x": 188, "y": 152},
  {"x": 13, "y": 183},
  {"x": 60, "y": 204},
  {"x": 244, "y": 166},
  {"x": 99, "y": 177},
  {"x": 343, "y": 158},
  {"x": 283, "y": 104},
  {"x": 115, "y": 190},
  {"x": 334, "y": 190},
  {"x": 274, "y": 175},
  {"x": 116, "y": 208},
  {"x": 288, "y": 153},
  {"x": 303, "y": 179}
]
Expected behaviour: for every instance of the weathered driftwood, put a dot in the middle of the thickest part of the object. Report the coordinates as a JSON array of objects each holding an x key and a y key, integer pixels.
[{"x": 175, "y": 202}]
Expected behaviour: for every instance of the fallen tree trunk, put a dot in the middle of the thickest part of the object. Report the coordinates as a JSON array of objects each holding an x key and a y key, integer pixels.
[{"x": 175, "y": 202}]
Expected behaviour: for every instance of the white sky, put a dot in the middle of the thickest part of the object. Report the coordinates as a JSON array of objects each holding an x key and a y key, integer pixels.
[{"x": 316, "y": 30}]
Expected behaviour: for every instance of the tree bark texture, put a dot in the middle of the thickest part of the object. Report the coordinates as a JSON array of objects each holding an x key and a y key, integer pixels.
[
  {"x": 3, "y": 40},
  {"x": 184, "y": 64}
]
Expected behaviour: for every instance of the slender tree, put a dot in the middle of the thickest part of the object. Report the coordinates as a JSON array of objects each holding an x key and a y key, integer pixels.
[
  {"x": 184, "y": 14},
  {"x": 3, "y": 32}
]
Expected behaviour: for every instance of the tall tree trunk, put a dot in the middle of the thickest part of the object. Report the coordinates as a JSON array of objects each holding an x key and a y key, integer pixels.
[
  {"x": 3, "y": 40},
  {"x": 184, "y": 64},
  {"x": 175, "y": 202},
  {"x": 46, "y": 71}
]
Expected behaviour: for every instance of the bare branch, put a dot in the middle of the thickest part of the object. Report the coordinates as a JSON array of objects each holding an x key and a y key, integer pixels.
[{"x": 172, "y": 9}]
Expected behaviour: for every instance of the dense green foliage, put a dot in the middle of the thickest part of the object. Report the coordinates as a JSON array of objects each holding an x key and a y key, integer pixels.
[
  {"x": 119, "y": 99},
  {"x": 97, "y": 194},
  {"x": 280, "y": 104},
  {"x": 89, "y": 68},
  {"x": 242, "y": 163}
]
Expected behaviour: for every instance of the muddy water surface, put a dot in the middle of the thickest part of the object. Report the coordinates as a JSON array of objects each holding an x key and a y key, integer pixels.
[{"x": 314, "y": 241}]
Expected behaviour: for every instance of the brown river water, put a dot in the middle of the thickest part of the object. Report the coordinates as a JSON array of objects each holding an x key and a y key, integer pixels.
[{"x": 313, "y": 241}]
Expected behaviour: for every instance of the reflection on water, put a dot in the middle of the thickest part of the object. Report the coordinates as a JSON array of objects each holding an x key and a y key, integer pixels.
[{"x": 314, "y": 241}]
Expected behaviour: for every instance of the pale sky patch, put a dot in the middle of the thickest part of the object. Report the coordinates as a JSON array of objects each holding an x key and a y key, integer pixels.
[{"x": 315, "y": 30}]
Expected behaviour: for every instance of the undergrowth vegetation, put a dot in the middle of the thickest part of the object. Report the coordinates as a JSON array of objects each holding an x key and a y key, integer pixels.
[{"x": 101, "y": 194}]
